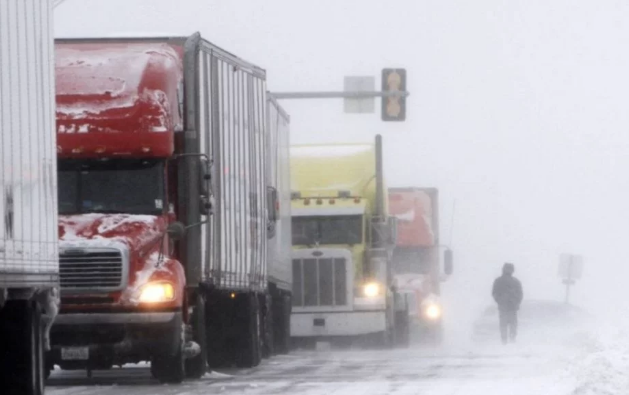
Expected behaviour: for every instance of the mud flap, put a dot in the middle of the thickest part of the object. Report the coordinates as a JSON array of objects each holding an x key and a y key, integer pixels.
[
  {"x": 248, "y": 353},
  {"x": 21, "y": 348}
]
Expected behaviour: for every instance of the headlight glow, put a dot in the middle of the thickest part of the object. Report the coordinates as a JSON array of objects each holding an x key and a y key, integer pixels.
[
  {"x": 433, "y": 312},
  {"x": 371, "y": 290},
  {"x": 157, "y": 293}
]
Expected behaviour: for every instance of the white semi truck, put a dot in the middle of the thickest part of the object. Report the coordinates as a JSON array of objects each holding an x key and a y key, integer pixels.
[{"x": 29, "y": 267}]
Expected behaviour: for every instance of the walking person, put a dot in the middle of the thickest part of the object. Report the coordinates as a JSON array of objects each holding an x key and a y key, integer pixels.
[{"x": 507, "y": 292}]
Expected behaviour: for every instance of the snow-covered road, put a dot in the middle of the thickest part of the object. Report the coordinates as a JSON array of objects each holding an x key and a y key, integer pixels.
[{"x": 594, "y": 367}]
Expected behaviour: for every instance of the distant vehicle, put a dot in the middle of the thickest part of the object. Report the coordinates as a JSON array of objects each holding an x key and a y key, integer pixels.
[
  {"x": 416, "y": 259},
  {"x": 342, "y": 238},
  {"x": 29, "y": 260},
  {"x": 538, "y": 320}
]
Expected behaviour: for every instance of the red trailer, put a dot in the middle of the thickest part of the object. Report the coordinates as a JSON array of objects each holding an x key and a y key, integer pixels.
[{"x": 416, "y": 257}]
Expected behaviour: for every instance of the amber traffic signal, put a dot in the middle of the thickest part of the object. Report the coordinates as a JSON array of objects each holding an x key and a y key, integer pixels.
[{"x": 394, "y": 107}]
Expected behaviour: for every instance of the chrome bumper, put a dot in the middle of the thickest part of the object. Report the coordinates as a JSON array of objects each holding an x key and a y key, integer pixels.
[
  {"x": 114, "y": 318},
  {"x": 347, "y": 323}
]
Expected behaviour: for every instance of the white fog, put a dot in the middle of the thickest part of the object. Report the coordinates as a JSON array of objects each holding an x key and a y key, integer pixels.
[
  {"x": 518, "y": 114},
  {"x": 517, "y": 111}
]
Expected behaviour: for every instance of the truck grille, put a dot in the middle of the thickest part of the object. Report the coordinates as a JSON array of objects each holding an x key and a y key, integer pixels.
[
  {"x": 87, "y": 270},
  {"x": 319, "y": 282}
]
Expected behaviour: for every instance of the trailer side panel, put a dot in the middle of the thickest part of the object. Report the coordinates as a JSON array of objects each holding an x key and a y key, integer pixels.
[
  {"x": 231, "y": 120},
  {"x": 28, "y": 186},
  {"x": 280, "y": 243}
]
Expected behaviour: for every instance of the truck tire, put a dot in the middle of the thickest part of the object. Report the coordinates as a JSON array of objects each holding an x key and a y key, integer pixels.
[
  {"x": 221, "y": 335},
  {"x": 42, "y": 369},
  {"x": 266, "y": 318},
  {"x": 48, "y": 368},
  {"x": 402, "y": 329},
  {"x": 196, "y": 367},
  {"x": 282, "y": 309},
  {"x": 378, "y": 340},
  {"x": 21, "y": 351},
  {"x": 248, "y": 353},
  {"x": 169, "y": 368}
]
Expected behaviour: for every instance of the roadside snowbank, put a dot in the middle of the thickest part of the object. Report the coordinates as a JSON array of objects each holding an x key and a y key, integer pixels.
[{"x": 602, "y": 367}]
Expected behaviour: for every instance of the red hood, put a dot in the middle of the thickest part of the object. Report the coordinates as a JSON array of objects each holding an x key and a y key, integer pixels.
[{"x": 135, "y": 231}]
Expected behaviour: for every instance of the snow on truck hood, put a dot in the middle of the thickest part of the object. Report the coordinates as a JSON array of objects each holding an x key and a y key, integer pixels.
[{"x": 133, "y": 231}]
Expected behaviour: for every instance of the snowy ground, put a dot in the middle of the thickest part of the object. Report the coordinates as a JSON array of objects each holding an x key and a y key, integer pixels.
[{"x": 583, "y": 363}]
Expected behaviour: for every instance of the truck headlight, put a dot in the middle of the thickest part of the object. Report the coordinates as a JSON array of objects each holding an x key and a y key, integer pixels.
[
  {"x": 157, "y": 293},
  {"x": 371, "y": 290},
  {"x": 433, "y": 312}
]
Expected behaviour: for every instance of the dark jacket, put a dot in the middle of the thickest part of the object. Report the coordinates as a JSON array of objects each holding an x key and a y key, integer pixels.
[{"x": 507, "y": 292}]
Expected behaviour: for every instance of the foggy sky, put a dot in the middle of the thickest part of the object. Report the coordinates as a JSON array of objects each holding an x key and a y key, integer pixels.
[{"x": 518, "y": 111}]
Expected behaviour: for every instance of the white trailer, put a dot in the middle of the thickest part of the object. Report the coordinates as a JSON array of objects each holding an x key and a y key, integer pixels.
[
  {"x": 279, "y": 235},
  {"x": 29, "y": 266}
]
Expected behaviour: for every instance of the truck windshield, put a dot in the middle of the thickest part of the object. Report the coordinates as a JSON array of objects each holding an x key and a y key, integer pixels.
[
  {"x": 116, "y": 186},
  {"x": 339, "y": 229}
]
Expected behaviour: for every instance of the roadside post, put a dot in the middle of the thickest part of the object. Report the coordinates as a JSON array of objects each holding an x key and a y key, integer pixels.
[{"x": 570, "y": 270}]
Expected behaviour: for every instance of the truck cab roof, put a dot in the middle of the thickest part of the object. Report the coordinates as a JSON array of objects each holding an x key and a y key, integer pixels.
[
  {"x": 416, "y": 210},
  {"x": 334, "y": 171},
  {"x": 117, "y": 98}
]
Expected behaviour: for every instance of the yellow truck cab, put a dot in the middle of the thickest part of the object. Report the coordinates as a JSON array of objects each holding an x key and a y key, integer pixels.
[{"x": 342, "y": 242}]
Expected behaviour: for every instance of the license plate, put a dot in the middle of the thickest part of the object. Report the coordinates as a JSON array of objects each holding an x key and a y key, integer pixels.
[
  {"x": 318, "y": 322},
  {"x": 75, "y": 354}
]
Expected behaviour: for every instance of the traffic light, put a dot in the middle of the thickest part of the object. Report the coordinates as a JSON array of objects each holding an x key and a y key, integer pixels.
[{"x": 394, "y": 107}]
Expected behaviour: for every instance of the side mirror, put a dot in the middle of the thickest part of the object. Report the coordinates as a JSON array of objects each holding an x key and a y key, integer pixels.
[
  {"x": 448, "y": 262},
  {"x": 176, "y": 231},
  {"x": 205, "y": 206},
  {"x": 205, "y": 176},
  {"x": 393, "y": 230},
  {"x": 272, "y": 203},
  {"x": 180, "y": 99}
]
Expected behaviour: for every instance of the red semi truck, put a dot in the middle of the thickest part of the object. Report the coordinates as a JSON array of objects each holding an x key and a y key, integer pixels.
[
  {"x": 416, "y": 257},
  {"x": 170, "y": 179}
]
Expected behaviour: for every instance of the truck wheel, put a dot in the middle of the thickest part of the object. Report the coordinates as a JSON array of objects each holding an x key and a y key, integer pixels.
[
  {"x": 248, "y": 351},
  {"x": 378, "y": 340},
  {"x": 282, "y": 309},
  {"x": 402, "y": 329},
  {"x": 196, "y": 367},
  {"x": 220, "y": 335},
  {"x": 49, "y": 367},
  {"x": 42, "y": 371},
  {"x": 266, "y": 318},
  {"x": 21, "y": 352},
  {"x": 169, "y": 368}
]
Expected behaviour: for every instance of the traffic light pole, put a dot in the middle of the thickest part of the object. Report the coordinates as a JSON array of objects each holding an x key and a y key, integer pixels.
[
  {"x": 358, "y": 92},
  {"x": 338, "y": 95}
]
